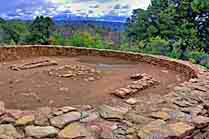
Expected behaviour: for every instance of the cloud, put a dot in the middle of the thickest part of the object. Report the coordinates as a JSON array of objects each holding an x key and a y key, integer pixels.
[{"x": 31, "y": 8}]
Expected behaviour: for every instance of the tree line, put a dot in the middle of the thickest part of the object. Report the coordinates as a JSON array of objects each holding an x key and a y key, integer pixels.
[
  {"x": 43, "y": 30},
  {"x": 176, "y": 28}
]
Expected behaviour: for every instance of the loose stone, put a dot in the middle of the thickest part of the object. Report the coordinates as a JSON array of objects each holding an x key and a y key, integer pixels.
[
  {"x": 73, "y": 131},
  {"x": 25, "y": 120},
  {"x": 62, "y": 120},
  {"x": 40, "y": 132},
  {"x": 8, "y": 131},
  {"x": 108, "y": 112},
  {"x": 200, "y": 121}
]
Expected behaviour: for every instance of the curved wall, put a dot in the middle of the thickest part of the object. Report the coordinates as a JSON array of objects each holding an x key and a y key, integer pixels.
[{"x": 18, "y": 52}]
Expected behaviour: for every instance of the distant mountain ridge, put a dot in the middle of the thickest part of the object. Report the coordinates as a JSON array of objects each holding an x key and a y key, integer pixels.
[
  {"x": 113, "y": 26},
  {"x": 106, "y": 18}
]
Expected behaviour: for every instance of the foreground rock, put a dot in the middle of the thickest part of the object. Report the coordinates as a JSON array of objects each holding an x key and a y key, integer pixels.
[
  {"x": 112, "y": 113},
  {"x": 62, "y": 120},
  {"x": 40, "y": 132},
  {"x": 8, "y": 131},
  {"x": 159, "y": 129},
  {"x": 156, "y": 129},
  {"x": 181, "y": 129},
  {"x": 73, "y": 131},
  {"x": 25, "y": 120},
  {"x": 200, "y": 121}
]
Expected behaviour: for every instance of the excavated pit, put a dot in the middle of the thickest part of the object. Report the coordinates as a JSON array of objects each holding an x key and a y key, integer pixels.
[{"x": 56, "y": 81}]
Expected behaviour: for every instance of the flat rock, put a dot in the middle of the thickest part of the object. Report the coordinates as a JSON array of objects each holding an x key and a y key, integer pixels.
[
  {"x": 108, "y": 112},
  {"x": 200, "y": 121},
  {"x": 73, "y": 131},
  {"x": 194, "y": 111},
  {"x": 40, "y": 132},
  {"x": 90, "y": 118},
  {"x": 5, "y": 119},
  {"x": 137, "y": 119},
  {"x": 160, "y": 115},
  {"x": 181, "y": 129},
  {"x": 200, "y": 88},
  {"x": 25, "y": 120},
  {"x": 156, "y": 130},
  {"x": 18, "y": 113},
  {"x": 174, "y": 115},
  {"x": 137, "y": 76},
  {"x": 131, "y": 101},
  {"x": 63, "y": 110},
  {"x": 8, "y": 131},
  {"x": 67, "y": 109},
  {"x": 62, "y": 120}
]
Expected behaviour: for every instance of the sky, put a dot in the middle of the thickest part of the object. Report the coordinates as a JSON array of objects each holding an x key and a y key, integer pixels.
[{"x": 29, "y": 9}]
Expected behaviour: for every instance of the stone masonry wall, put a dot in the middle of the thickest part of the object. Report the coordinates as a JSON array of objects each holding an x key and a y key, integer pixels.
[{"x": 11, "y": 53}]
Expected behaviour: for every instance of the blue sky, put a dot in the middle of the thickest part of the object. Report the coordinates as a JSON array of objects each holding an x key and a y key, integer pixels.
[{"x": 28, "y": 9}]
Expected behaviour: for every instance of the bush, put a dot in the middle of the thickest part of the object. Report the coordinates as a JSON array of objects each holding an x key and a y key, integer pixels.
[
  {"x": 175, "y": 53},
  {"x": 84, "y": 40},
  {"x": 57, "y": 39},
  {"x": 156, "y": 45},
  {"x": 199, "y": 58}
]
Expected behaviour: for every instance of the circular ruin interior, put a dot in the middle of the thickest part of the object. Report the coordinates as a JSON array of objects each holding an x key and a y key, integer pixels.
[
  {"x": 79, "y": 93},
  {"x": 37, "y": 77}
]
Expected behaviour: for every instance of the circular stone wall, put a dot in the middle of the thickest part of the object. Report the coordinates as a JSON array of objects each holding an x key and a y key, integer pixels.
[{"x": 182, "y": 113}]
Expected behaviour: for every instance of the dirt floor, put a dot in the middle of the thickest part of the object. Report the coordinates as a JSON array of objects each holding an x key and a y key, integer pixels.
[{"x": 36, "y": 87}]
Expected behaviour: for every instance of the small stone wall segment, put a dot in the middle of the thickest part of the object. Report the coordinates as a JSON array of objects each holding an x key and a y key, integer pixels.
[{"x": 18, "y": 52}]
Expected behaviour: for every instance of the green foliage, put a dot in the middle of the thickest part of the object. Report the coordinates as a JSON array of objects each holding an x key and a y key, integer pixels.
[
  {"x": 41, "y": 29},
  {"x": 137, "y": 25},
  {"x": 57, "y": 39},
  {"x": 179, "y": 29},
  {"x": 175, "y": 53},
  {"x": 13, "y": 31},
  {"x": 157, "y": 45},
  {"x": 200, "y": 5},
  {"x": 199, "y": 57},
  {"x": 84, "y": 40}
]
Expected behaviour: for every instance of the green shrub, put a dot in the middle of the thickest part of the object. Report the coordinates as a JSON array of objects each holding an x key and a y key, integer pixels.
[
  {"x": 175, "y": 53},
  {"x": 199, "y": 58},
  {"x": 57, "y": 39},
  {"x": 84, "y": 40},
  {"x": 157, "y": 45}
]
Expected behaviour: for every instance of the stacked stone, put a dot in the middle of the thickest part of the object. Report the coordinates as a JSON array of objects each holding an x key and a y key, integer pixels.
[
  {"x": 140, "y": 82},
  {"x": 182, "y": 114},
  {"x": 63, "y": 123},
  {"x": 76, "y": 72}
]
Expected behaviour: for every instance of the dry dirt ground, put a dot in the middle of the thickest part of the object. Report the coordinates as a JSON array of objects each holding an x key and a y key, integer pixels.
[{"x": 32, "y": 88}]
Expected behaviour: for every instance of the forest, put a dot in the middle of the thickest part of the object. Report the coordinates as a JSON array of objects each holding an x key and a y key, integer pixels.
[{"x": 174, "y": 28}]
